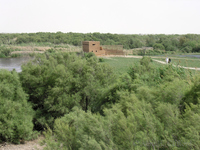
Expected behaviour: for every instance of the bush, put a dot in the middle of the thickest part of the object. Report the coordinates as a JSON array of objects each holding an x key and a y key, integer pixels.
[
  {"x": 2, "y": 55},
  {"x": 4, "y": 52},
  {"x": 88, "y": 55},
  {"x": 196, "y": 49},
  {"x": 171, "y": 92},
  {"x": 101, "y": 60},
  {"x": 59, "y": 82},
  {"x": 16, "y": 114},
  {"x": 145, "y": 61},
  {"x": 16, "y": 55},
  {"x": 129, "y": 124},
  {"x": 51, "y": 50},
  {"x": 158, "y": 46},
  {"x": 193, "y": 95},
  {"x": 79, "y": 130}
]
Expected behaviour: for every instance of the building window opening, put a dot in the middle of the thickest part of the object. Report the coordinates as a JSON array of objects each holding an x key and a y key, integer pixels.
[
  {"x": 93, "y": 44},
  {"x": 96, "y": 50}
]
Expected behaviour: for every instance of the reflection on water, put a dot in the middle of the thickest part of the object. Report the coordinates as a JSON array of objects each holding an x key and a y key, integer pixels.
[{"x": 13, "y": 63}]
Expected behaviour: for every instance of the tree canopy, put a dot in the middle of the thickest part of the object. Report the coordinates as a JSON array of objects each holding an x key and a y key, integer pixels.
[
  {"x": 184, "y": 43},
  {"x": 16, "y": 113},
  {"x": 80, "y": 103}
]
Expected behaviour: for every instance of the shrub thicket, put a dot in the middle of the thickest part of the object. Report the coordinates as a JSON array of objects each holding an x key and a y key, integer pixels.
[
  {"x": 4, "y": 52},
  {"x": 56, "y": 83},
  {"x": 16, "y": 113},
  {"x": 87, "y": 106},
  {"x": 130, "y": 124}
]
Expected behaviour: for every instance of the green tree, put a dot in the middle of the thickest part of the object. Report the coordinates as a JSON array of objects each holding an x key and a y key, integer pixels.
[
  {"x": 192, "y": 96},
  {"x": 16, "y": 113},
  {"x": 80, "y": 130},
  {"x": 56, "y": 83},
  {"x": 150, "y": 41},
  {"x": 158, "y": 46},
  {"x": 129, "y": 124}
]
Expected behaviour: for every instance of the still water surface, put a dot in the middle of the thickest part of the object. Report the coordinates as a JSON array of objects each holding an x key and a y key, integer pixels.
[
  {"x": 196, "y": 56},
  {"x": 13, "y": 63}
]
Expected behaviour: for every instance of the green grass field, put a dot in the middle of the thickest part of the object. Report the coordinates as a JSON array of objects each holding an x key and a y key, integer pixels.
[{"x": 122, "y": 64}]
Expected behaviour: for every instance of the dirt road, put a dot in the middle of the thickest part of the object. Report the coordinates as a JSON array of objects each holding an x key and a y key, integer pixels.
[
  {"x": 192, "y": 68},
  {"x": 29, "y": 145}
]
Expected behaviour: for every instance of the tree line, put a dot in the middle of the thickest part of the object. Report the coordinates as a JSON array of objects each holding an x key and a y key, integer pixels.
[{"x": 184, "y": 43}]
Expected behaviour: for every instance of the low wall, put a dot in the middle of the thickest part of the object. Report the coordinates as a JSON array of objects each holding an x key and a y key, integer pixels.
[
  {"x": 112, "y": 47},
  {"x": 114, "y": 52}
]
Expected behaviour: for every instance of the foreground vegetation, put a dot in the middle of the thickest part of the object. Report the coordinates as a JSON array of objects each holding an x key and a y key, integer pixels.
[{"x": 81, "y": 102}]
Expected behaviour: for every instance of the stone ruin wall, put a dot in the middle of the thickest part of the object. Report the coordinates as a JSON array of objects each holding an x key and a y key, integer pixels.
[
  {"x": 113, "y": 49},
  {"x": 94, "y": 46}
]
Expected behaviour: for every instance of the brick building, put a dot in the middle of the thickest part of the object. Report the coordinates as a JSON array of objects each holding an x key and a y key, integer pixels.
[{"x": 94, "y": 46}]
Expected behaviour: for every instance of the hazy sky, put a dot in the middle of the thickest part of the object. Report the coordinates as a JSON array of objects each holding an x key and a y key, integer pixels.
[{"x": 104, "y": 16}]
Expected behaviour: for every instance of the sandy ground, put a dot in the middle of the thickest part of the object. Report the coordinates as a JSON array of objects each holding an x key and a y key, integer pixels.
[{"x": 29, "y": 145}]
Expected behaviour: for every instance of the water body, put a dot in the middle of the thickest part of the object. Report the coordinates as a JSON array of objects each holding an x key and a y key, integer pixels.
[
  {"x": 196, "y": 56},
  {"x": 13, "y": 63}
]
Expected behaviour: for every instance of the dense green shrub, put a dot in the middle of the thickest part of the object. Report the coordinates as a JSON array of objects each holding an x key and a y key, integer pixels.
[
  {"x": 129, "y": 124},
  {"x": 122, "y": 127},
  {"x": 101, "y": 60},
  {"x": 80, "y": 130},
  {"x": 171, "y": 92},
  {"x": 17, "y": 55},
  {"x": 51, "y": 50},
  {"x": 187, "y": 49},
  {"x": 2, "y": 55},
  {"x": 193, "y": 95},
  {"x": 158, "y": 46},
  {"x": 88, "y": 55},
  {"x": 16, "y": 113},
  {"x": 149, "y": 74},
  {"x": 56, "y": 83},
  {"x": 5, "y": 52},
  {"x": 145, "y": 61},
  {"x": 196, "y": 49}
]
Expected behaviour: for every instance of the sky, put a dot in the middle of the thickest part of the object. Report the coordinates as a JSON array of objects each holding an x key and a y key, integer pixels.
[{"x": 103, "y": 16}]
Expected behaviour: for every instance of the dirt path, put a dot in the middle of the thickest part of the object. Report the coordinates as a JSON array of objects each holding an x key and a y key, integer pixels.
[
  {"x": 192, "y": 68},
  {"x": 29, "y": 145}
]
